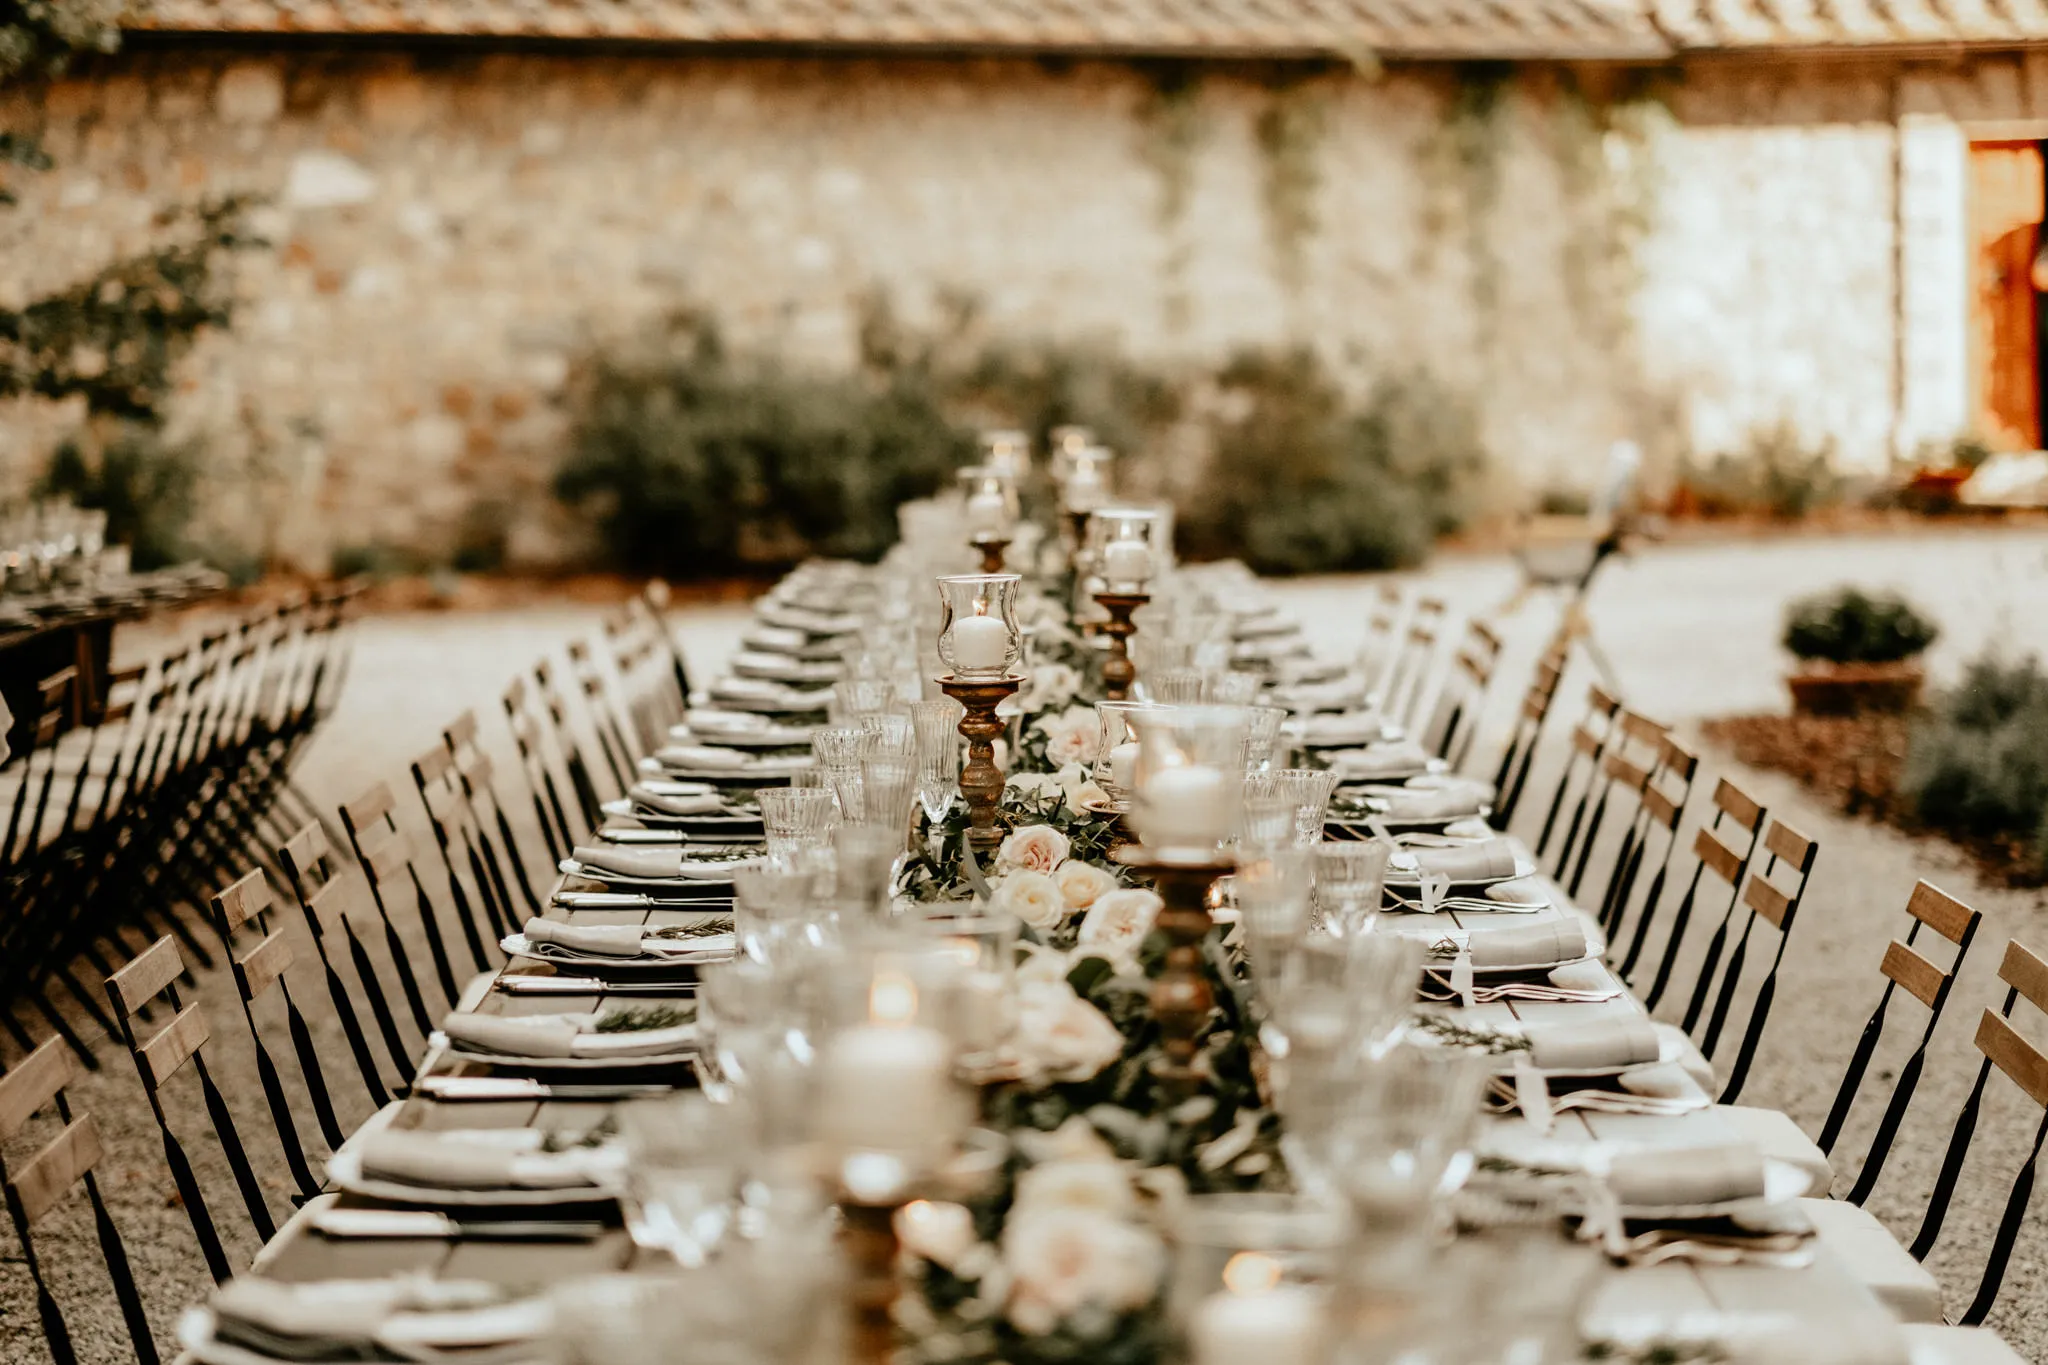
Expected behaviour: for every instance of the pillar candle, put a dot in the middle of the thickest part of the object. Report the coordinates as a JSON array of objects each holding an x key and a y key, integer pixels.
[
  {"x": 1126, "y": 561},
  {"x": 980, "y": 644},
  {"x": 1186, "y": 805}
]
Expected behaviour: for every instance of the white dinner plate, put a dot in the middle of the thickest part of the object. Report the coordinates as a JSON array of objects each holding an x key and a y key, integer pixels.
[{"x": 345, "y": 1171}]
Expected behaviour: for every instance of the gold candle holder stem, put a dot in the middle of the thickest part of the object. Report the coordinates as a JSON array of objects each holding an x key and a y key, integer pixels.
[
  {"x": 991, "y": 549},
  {"x": 1118, "y": 672},
  {"x": 868, "y": 1233},
  {"x": 981, "y": 781},
  {"x": 1181, "y": 997}
]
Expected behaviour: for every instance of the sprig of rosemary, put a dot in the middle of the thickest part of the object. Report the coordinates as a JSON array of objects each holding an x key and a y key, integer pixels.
[
  {"x": 643, "y": 1018},
  {"x": 706, "y": 929},
  {"x": 1450, "y": 1033}
]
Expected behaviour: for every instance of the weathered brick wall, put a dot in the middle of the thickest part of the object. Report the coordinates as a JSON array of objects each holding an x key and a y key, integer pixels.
[{"x": 450, "y": 230}]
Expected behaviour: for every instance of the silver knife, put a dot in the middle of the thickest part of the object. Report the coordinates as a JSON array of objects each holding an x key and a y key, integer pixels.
[{"x": 393, "y": 1223}]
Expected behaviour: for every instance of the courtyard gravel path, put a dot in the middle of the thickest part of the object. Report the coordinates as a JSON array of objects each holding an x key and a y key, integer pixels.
[{"x": 1692, "y": 634}]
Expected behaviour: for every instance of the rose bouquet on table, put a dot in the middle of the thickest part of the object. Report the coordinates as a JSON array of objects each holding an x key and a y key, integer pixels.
[{"x": 1061, "y": 1259}]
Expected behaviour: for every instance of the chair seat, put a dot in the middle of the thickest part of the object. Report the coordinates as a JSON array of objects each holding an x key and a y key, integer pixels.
[
  {"x": 1869, "y": 1252},
  {"x": 1928, "y": 1345},
  {"x": 1776, "y": 1135}
]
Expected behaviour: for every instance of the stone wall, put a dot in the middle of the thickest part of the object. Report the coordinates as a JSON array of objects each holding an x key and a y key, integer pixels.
[{"x": 450, "y": 230}]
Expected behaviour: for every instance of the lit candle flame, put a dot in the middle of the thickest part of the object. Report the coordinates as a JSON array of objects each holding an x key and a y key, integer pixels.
[
  {"x": 892, "y": 999},
  {"x": 1251, "y": 1272}
]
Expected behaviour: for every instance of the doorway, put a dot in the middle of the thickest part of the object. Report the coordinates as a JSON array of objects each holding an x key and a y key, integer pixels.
[{"x": 2008, "y": 201}]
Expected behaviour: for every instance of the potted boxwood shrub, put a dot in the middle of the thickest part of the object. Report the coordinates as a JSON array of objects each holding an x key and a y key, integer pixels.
[{"x": 1857, "y": 651}]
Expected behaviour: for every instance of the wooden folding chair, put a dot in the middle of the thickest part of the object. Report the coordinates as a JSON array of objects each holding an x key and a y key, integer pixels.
[
  {"x": 1903, "y": 966},
  {"x": 548, "y": 810},
  {"x": 580, "y": 780},
  {"x": 259, "y": 970},
  {"x": 2025, "y": 974},
  {"x": 1634, "y": 747},
  {"x": 157, "y": 1059},
  {"x": 1512, "y": 775},
  {"x": 619, "y": 752},
  {"x": 477, "y": 777},
  {"x": 440, "y": 789},
  {"x": 1664, "y": 795},
  {"x": 1717, "y": 849},
  {"x": 1791, "y": 856},
  {"x": 1415, "y": 661},
  {"x": 386, "y": 856},
  {"x": 1460, "y": 705},
  {"x": 652, "y": 603},
  {"x": 67, "y": 1161},
  {"x": 1589, "y": 742}
]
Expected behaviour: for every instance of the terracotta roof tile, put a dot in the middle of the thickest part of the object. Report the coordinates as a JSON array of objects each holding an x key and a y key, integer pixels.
[{"x": 1614, "y": 29}]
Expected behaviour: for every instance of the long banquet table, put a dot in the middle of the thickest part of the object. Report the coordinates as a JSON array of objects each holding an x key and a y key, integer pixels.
[{"x": 1815, "y": 1313}]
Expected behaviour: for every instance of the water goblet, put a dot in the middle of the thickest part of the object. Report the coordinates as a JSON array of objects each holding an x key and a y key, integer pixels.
[
  {"x": 1351, "y": 878},
  {"x": 854, "y": 698},
  {"x": 795, "y": 818},
  {"x": 683, "y": 1177},
  {"x": 1265, "y": 734},
  {"x": 1179, "y": 686},
  {"x": 887, "y": 734},
  {"x": 937, "y": 727},
  {"x": 1309, "y": 789},
  {"x": 887, "y": 787}
]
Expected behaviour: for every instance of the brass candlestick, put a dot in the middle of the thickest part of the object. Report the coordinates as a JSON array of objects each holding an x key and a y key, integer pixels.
[
  {"x": 1181, "y": 998},
  {"x": 868, "y": 1232},
  {"x": 991, "y": 549},
  {"x": 981, "y": 781},
  {"x": 1118, "y": 672}
]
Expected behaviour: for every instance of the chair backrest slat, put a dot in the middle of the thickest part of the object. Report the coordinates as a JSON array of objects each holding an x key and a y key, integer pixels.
[
  {"x": 1921, "y": 978},
  {"x": 1632, "y": 776},
  {"x": 156, "y": 967},
  {"x": 372, "y": 806},
  {"x": 263, "y": 965},
  {"x": 243, "y": 899},
  {"x": 1737, "y": 805},
  {"x": 33, "y": 1083},
  {"x": 54, "y": 1170},
  {"x": 173, "y": 1046},
  {"x": 1941, "y": 912},
  {"x": 2026, "y": 973},
  {"x": 1721, "y": 860},
  {"x": 1789, "y": 844},
  {"x": 1767, "y": 900},
  {"x": 2019, "y": 1059}
]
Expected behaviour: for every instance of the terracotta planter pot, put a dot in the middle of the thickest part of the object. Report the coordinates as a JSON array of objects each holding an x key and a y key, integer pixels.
[{"x": 1821, "y": 689}]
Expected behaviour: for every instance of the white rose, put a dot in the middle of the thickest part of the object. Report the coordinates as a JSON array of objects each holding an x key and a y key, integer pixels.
[
  {"x": 1051, "y": 685},
  {"x": 1064, "y": 1259},
  {"x": 1087, "y": 1184},
  {"x": 1081, "y": 883},
  {"x": 1035, "y": 848},
  {"x": 1116, "y": 924},
  {"x": 1041, "y": 964},
  {"x": 1070, "y": 736},
  {"x": 1063, "y": 1036},
  {"x": 1032, "y": 897},
  {"x": 1034, "y": 786},
  {"x": 941, "y": 1233}
]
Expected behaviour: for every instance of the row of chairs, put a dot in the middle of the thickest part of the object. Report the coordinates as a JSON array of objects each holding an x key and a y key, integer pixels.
[
  {"x": 111, "y": 828},
  {"x": 1746, "y": 877},
  {"x": 363, "y": 917}
]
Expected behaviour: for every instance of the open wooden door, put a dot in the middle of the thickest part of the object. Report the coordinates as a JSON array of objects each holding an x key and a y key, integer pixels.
[{"x": 2006, "y": 206}]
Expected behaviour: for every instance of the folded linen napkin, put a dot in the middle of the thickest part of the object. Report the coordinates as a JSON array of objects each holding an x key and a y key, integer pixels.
[
  {"x": 591, "y": 940},
  {"x": 1520, "y": 891},
  {"x": 1594, "y": 1044},
  {"x": 1543, "y": 943},
  {"x": 700, "y": 756},
  {"x": 655, "y": 864},
  {"x": 695, "y": 803},
  {"x": 455, "y": 1161},
  {"x": 775, "y": 639},
  {"x": 1344, "y": 727},
  {"x": 1668, "y": 1177},
  {"x": 1471, "y": 863},
  {"x": 750, "y": 664},
  {"x": 264, "y": 1315},
  {"x": 560, "y": 1035},
  {"x": 1664, "y": 1081},
  {"x": 562, "y": 941},
  {"x": 700, "y": 721},
  {"x": 1427, "y": 805},
  {"x": 1380, "y": 760}
]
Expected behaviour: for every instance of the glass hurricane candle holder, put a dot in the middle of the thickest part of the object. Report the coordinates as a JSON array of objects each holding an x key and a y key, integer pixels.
[
  {"x": 983, "y": 1001},
  {"x": 979, "y": 638},
  {"x": 1121, "y": 547},
  {"x": 1188, "y": 781},
  {"x": 989, "y": 503},
  {"x": 1087, "y": 484},
  {"x": 1116, "y": 750},
  {"x": 1006, "y": 452},
  {"x": 1254, "y": 1275},
  {"x": 1063, "y": 444}
]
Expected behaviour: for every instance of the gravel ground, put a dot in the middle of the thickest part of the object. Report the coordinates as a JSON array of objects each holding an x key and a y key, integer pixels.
[{"x": 1691, "y": 632}]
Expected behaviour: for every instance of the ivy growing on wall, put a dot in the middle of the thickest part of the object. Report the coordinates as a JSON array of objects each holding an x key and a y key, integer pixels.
[
  {"x": 1290, "y": 132},
  {"x": 1172, "y": 129},
  {"x": 1471, "y": 143},
  {"x": 39, "y": 37}
]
